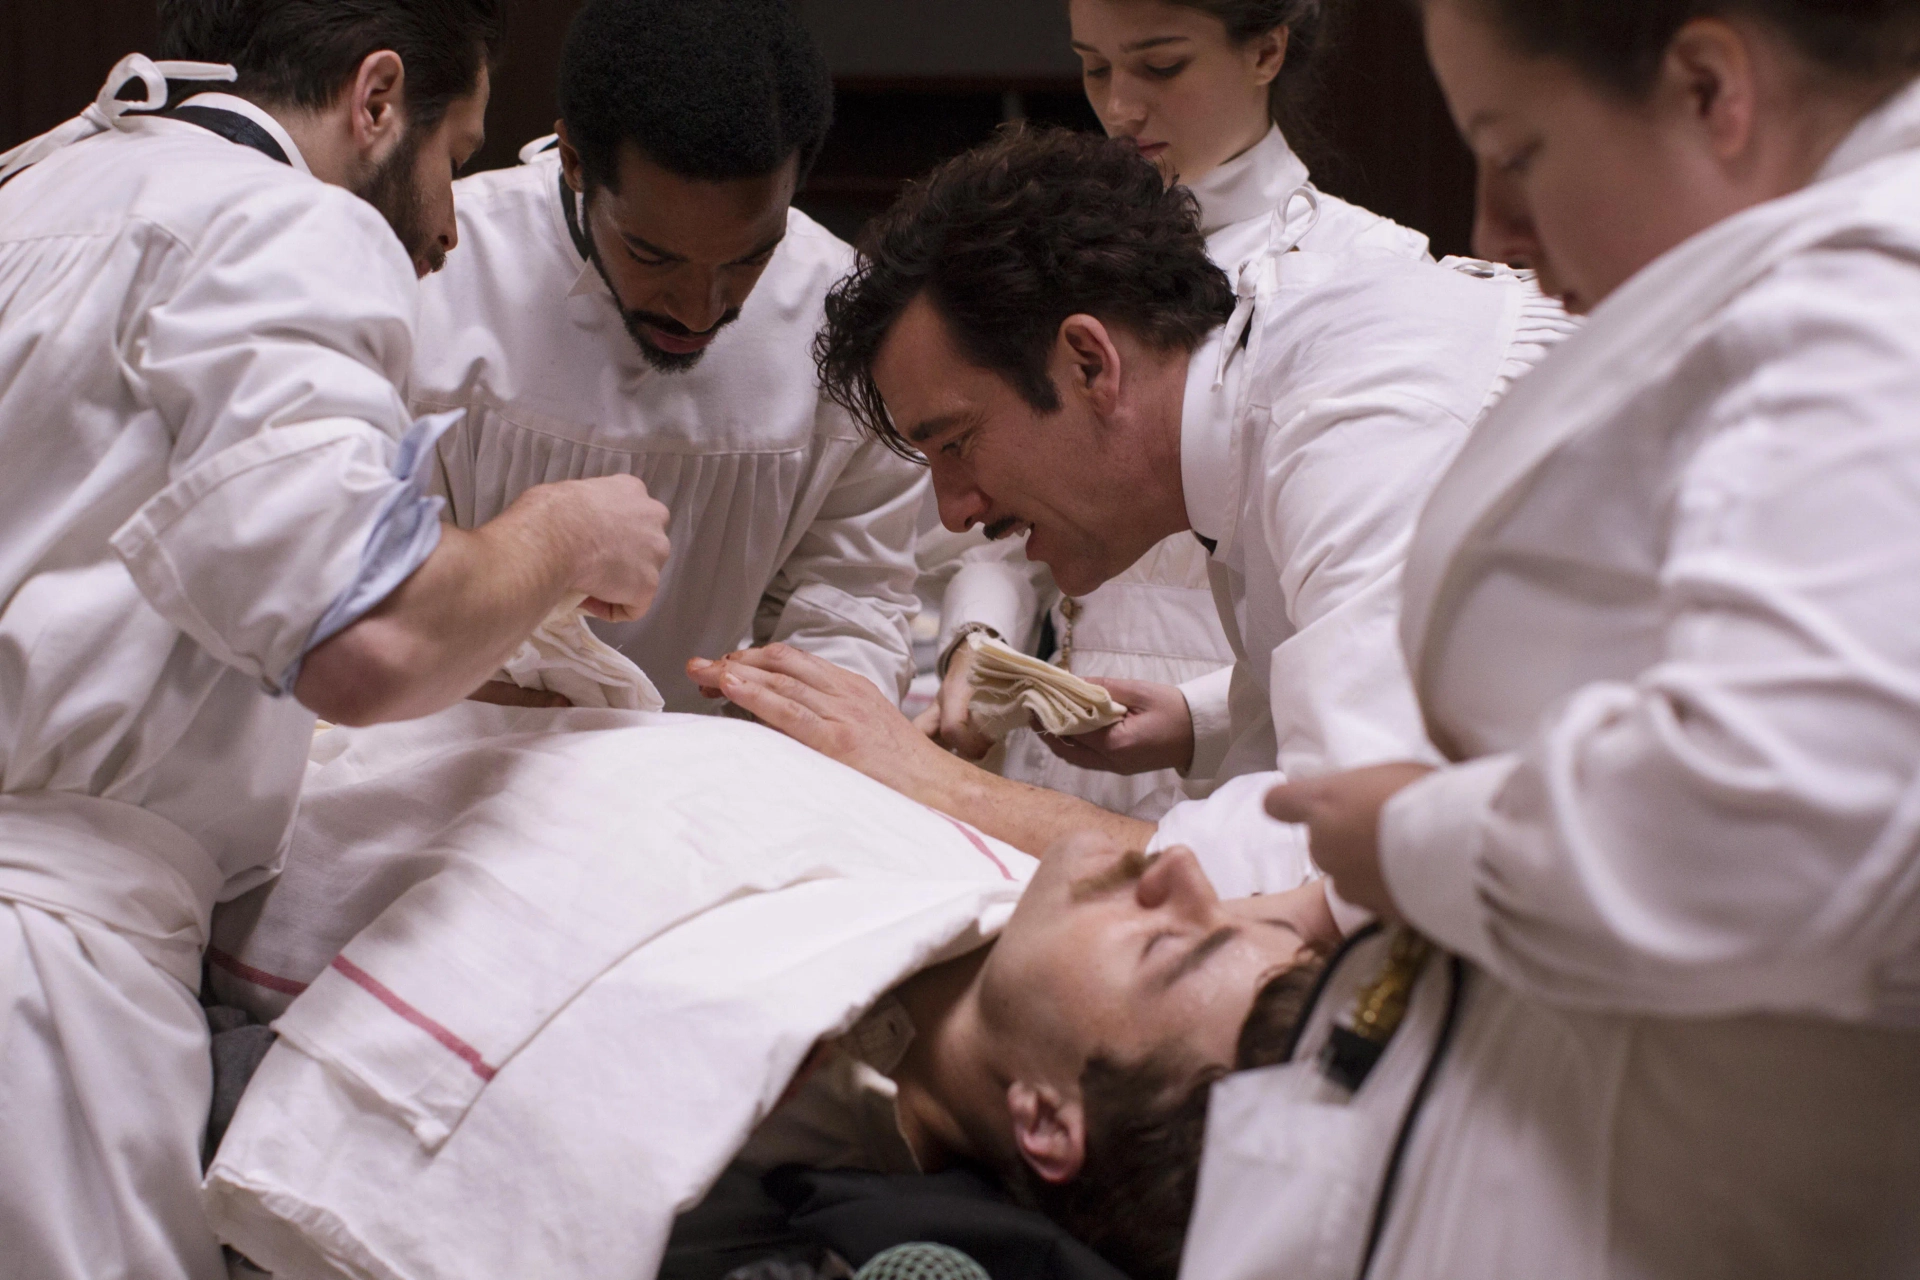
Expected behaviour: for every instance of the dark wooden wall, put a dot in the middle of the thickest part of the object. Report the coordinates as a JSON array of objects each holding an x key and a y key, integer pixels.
[{"x": 918, "y": 83}]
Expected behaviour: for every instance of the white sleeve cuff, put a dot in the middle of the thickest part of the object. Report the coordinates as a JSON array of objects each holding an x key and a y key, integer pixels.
[
  {"x": 994, "y": 593},
  {"x": 248, "y": 551},
  {"x": 1431, "y": 838},
  {"x": 1209, "y": 701}
]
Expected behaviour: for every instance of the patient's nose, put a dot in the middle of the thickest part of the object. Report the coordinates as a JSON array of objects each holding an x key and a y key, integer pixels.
[{"x": 1175, "y": 881}]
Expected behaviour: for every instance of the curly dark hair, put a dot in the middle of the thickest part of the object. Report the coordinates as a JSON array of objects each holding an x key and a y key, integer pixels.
[
  {"x": 1009, "y": 240},
  {"x": 303, "y": 53},
  {"x": 1145, "y": 1123},
  {"x": 1619, "y": 43},
  {"x": 708, "y": 89}
]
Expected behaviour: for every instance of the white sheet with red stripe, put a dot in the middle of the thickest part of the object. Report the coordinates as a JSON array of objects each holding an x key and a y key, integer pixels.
[{"x": 721, "y": 895}]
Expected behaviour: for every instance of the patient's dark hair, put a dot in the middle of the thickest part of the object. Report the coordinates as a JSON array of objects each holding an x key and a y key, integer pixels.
[
  {"x": 1009, "y": 240},
  {"x": 304, "y": 53},
  {"x": 1620, "y": 43},
  {"x": 1145, "y": 1123},
  {"x": 708, "y": 89}
]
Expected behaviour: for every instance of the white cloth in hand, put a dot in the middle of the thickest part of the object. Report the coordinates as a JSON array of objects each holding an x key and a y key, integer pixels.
[
  {"x": 563, "y": 656},
  {"x": 1010, "y": 688}
]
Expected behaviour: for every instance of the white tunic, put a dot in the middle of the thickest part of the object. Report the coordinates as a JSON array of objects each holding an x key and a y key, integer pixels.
[
  {"x": 1663, "y": 610},
  {"x": 199, "y": 357},
  {"x": 1307, "y": 466},
  {"x": 786, "y": 523},
  {"x": 1157, "y": 621}
]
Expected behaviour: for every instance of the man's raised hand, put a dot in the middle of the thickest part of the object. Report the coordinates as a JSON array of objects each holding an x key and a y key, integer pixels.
[{"x": 949, "y": 721}]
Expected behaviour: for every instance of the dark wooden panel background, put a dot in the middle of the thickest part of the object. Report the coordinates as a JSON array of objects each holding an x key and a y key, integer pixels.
[{"x": 919, "y": 80}]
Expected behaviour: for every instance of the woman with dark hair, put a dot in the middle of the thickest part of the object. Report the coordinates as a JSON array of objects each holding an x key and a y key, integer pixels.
[
  {"x": 1660, "y": 616},
  {"x": 1207, "y": 89}
]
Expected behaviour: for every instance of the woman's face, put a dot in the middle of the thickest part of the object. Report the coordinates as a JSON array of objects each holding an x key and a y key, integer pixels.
[
  {"x": 1581, "y": 184},
  {"x": 1167, "y": 77}
]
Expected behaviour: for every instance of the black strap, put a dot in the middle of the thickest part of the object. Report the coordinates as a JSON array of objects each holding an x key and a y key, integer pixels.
[
  {"x": 232, "y": 126},
  {"x": 1457, "y": 974},
  {"x": 569, "y": 202}
]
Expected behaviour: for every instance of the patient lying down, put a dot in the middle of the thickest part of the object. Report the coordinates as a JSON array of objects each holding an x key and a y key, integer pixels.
[
  {"x": 1073, "y": 1055},
  {"x": 582, "y": 967}
]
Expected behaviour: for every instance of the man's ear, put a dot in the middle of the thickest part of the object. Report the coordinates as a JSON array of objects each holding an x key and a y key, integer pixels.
[
  {"x": 1092, "y": 361},
  {"x": 1049, "y": 1130},
  {"x": 1711, "y": 67},
  {"x": 375, "y": 105},
  {"x": 570, "y": 159}
]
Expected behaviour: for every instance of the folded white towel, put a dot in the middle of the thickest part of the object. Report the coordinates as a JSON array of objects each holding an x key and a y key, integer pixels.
[
  {"x": 563, "y": 656},
  {"x": 1010, "y": 689}
]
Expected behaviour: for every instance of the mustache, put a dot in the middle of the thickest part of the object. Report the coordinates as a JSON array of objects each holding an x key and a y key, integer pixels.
[
  {"x": 1001, "y": 529},
  {"x": 668, "y": 325}
]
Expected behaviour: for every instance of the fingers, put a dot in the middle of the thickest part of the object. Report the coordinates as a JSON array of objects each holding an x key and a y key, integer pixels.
[
  {"x": 1130, "y": 694},
  {"x": 769, "y": 698},
  {"x": 1075, "y": 753},
  {"x": 1290, "y": 802},
  {"x": 928, "y": 722},
  {"x": 754, "y": 672}
]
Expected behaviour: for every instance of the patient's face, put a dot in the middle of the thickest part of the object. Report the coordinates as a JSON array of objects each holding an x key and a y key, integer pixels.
[{"x": 1110, "y": 953}]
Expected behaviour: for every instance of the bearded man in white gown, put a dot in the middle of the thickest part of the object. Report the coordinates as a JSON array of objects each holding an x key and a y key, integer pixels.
[{"x": 213, "y": 523}]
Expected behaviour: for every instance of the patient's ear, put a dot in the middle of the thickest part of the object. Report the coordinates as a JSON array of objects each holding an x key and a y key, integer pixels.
[{"x": 1050, "y": 1130}]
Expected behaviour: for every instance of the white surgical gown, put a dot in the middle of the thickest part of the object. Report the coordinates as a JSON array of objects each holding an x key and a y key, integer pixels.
[
  {"x": 786, "y": 524},
  {"x": 199, "y": 352}
]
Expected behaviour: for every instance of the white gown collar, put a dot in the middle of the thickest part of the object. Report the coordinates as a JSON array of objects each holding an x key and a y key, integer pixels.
[
  {"x": 1251, "y": 185},
  {"x": 1893, "y": 127},
  {"x": 241, "y": 107},
  {"x": 1209, "y": 472}
]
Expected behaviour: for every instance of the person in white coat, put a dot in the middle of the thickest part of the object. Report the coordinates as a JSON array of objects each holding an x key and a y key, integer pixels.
[
  {"x": 1040, "y": 320},
  {"x": 1661, "y": 617},
  {"x": 1203, "y": 88},
  {"x": 212, "y": 524},
  {"x": 639, "y": 298}
]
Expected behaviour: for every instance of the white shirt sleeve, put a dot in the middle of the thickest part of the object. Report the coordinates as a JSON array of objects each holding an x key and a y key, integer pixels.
[
  {"x": 1210, "y": 703},
  {"x": 995, "y": 585},
  {"x": 1736, "y": 829},
  {"x": 846, "y": 592},
  {"x": 1343, "y": 487},
  {"x": 1242, "y": 850},
  {"x": 1340, "y": 507},
  {"x": 274, "y": 371}
]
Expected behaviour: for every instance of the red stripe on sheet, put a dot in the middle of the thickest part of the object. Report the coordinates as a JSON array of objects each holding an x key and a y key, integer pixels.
[
  {"x": 973, "y": 838},
  {"x": 379, "y": 991},
  {"x": 258, "y": 977}
]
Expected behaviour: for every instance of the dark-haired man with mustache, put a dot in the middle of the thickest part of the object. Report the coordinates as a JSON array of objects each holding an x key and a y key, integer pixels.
[{"x": 638, "y": 297}]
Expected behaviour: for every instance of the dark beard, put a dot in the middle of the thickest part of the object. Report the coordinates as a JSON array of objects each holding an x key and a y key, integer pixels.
[
  {"x": 638, "y": 322},
  {"x": 391, "y": 190}
]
